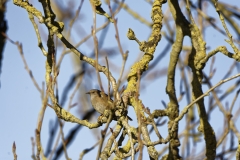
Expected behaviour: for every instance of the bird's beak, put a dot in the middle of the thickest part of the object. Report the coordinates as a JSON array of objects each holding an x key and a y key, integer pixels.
[{"x": 88, "y": 93}]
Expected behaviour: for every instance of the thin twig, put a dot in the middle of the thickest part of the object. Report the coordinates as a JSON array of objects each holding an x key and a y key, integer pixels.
[
  {"x": 234, "y": 100},
  {"x": 96, "y": 47},
  {"x": 14, "y": 151},
  {"x": 40, "y": 45},
  {"x": 63, "y": 140},
  {"x": 39, "y": 125},
  {"x": 103, "y": 133},
  {"x": 185, "y": 110},
  {"x": 19, "y": 45},
  {"x": 33, "y": 149},
  {"x": 108, "y": 79},
  {"x": 74, "y": 18}
]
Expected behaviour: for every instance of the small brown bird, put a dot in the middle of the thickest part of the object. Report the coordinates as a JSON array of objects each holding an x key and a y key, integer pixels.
[{"x": 100, "y": 101}]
